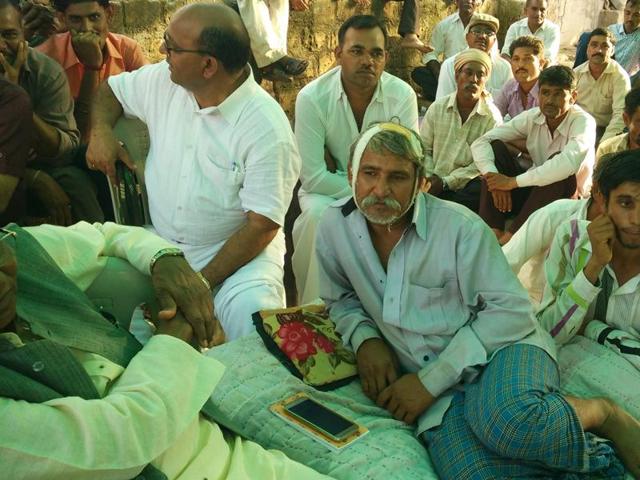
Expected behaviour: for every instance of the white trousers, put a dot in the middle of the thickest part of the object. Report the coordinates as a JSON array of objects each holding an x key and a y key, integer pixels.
[
  {"x": 304, "y": 260},
  {"x": 267, "y": 22}
]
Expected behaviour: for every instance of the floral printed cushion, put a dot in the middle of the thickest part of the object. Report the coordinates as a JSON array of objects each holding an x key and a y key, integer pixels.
[{"x": 304, "y": 340}]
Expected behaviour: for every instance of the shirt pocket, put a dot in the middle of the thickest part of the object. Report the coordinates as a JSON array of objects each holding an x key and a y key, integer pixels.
[
  {"x": 219, "y": 183},
  {"x": 435, "y": 310}
]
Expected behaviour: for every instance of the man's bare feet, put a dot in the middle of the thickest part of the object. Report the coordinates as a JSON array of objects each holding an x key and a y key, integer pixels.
[
  {"x": 411, "y": 40},
  {"x": 624, "y": 431},
  {"x": 506, "y": 236}
]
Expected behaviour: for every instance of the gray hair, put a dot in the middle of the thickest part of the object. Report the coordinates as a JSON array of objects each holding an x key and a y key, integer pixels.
[{"x": 408, "y": 146}]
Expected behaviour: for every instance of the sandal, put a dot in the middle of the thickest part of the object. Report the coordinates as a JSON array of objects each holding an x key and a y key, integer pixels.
[
  {"x": 275, "y": 74},
  {"x": 292, "y": 66}
]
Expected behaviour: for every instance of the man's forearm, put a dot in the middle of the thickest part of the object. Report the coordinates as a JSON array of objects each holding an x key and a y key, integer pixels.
[
  {"x": 47, "y": 138},
  {"x": 106, "y": 108},
  {"x": 242, "y": 247},
  {"x": 88, "y": 87}
]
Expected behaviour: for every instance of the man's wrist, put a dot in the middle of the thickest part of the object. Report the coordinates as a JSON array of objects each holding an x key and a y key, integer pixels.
[
  {"x": 165, "y": 252},
  {"x": 592, "y": 271}
]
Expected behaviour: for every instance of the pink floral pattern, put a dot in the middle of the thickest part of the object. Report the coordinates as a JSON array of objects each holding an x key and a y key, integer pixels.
[{"x": 297, "y": 340}]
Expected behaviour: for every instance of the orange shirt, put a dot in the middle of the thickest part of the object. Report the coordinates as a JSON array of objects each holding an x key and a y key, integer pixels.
[{"x": 123, "y": 55}]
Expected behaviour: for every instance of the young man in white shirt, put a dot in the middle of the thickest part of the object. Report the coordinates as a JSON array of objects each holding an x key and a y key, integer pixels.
[
  {"x": 541, "y": 155},
  {"x": 330, "y": 113},
  {"x": 452, "y": 124},
  {"x": 602, "y": 85},
  {"x": 222, "y": 164},
  {"x": 447, "y": 39},
  {"x": 537, "y": 25},
  {"x": 481, "y": 33},
  {"x": 443, "y": 332}
]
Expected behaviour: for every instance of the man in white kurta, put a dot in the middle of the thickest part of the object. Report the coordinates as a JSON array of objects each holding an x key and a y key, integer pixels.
[
  {"x": 328, "y": 121},
  {"x": 535, "y": 23},
  {"x": 222, "y": 164},
  {"x": 481, "y": 34}
]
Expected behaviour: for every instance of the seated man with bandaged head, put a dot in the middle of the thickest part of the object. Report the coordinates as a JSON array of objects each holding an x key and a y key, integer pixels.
[{"x": 443, "y": 332}]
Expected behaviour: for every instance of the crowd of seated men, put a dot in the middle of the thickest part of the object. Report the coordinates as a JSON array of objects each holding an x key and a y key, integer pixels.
[{"x": 413, "y": 232}]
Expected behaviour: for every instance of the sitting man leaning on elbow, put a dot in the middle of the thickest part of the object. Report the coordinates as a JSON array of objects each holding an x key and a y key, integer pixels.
[
  {"x": 68, "y": 372},
  {"x": 593, "y": 268},
  {"x": 444, "y": 333}
]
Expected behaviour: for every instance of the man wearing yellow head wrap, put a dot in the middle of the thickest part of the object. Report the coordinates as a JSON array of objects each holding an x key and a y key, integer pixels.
[
  {"x": 443, "y": 331},
  {"x": 454, "y": 122}
]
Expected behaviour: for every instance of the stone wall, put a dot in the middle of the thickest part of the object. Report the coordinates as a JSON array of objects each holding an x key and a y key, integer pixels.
[{"x": 312, "y": 34}]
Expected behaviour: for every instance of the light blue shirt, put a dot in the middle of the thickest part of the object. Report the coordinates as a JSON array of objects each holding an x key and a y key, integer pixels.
[
  {"x": 627, "y": 48},
  {"x": 447, "y": 302}
]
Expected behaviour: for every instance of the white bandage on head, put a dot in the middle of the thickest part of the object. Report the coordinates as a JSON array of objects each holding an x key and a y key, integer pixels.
[
  {"x": 366, "y": 137},
  {"x": 362, "y": 144}
]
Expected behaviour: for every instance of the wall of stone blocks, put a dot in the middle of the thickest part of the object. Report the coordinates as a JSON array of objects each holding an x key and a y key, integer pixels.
[{"x": 312, "y": 34}]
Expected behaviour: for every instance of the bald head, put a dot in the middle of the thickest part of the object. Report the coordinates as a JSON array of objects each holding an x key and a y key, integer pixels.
[{"x": 219, "y": 30}]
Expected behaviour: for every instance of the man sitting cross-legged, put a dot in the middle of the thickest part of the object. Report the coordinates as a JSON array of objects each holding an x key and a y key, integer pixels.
[
  {"x": 631, "y": 117},
  {"x": 330, "y": 113},
  {"x": 222, "y": 164},
  {"x": 444, "y": 333},
  {"x": 68, "y": 373},
  {"x": 538, "y": 157},
  {"x": 593, "y": 269},
  {"x": 521, "y": 92},
  {"x": 451, "y": 125}
]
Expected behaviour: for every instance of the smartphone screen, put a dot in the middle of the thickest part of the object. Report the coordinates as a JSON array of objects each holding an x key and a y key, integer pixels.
[{"x": 322, "y": 418}]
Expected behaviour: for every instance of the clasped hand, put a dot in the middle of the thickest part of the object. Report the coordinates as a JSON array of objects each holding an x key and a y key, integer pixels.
[{"x": 405, "y": 397}]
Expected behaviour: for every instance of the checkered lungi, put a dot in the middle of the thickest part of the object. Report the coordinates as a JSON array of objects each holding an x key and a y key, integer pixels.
[{"x": 513, "y": 423}]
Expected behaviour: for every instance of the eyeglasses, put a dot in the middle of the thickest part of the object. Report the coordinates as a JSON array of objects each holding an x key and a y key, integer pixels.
[
  {"x": 172, "y": 50},
  {"x": 6, "y": 233},
  {"x": 483, "y": 31}
]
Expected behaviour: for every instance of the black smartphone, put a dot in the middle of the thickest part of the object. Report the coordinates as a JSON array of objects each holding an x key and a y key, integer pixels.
[{"x": 321, "y": 418}]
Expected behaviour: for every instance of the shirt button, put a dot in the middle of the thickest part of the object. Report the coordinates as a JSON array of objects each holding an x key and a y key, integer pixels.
[
  {"x": 425, "y": 358},
  {"x": 37, "y": 366}
]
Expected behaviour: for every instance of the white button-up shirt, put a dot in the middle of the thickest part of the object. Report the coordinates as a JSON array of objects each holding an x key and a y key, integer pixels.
[
  {"x": 548, "y": 32},
  {"x": 324, "y": 118},
  {"x": 530, "y": 244},
  {"x": 446, "y": 303},
  {"x": 207, "y": 167},
  {"x": 627, "y": 48},
  {"x": 604, "y": 98},
  {"x": 500, "y": 74},
  {"x": 447, "y": 39},
  {"x": 573, "y": 141}
]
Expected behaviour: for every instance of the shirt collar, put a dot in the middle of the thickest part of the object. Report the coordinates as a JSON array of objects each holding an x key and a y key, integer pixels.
[
  {"x": 563, "y": 128},
  {"x": 418, "y": 219},
  {"x": 515, "y": 89},
  {"x": 378, "y": 95},
  {"x": 231, "y": 108},
  {"x": 71, "y": 58},
  {"x": 584, "y": 68},
  {"x": 481, "y": 107}
]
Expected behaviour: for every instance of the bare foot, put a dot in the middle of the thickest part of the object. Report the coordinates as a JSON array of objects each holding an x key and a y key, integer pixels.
[
  {"x": 506, "y": 236},
  {"x": 499, "y": 233},
  {"x": 624, "y": 431},
  {"x": 411, "y": 40}
]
